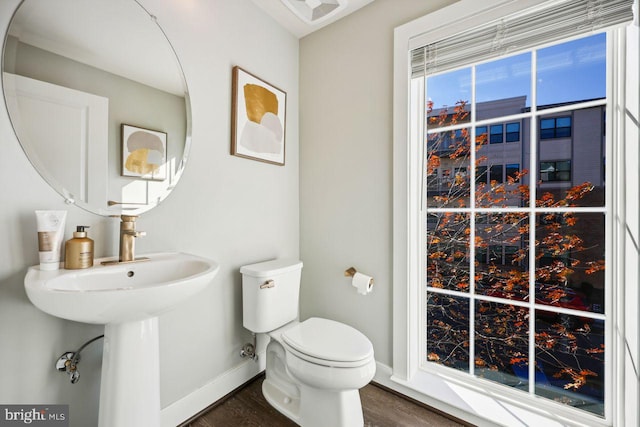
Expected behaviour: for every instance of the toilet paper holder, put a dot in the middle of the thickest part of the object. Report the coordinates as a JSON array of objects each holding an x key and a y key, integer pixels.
[{"x": 351, "y": 271}]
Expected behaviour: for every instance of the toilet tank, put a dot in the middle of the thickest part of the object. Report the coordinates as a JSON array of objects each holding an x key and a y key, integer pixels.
[{"x": 270, "y": 292}]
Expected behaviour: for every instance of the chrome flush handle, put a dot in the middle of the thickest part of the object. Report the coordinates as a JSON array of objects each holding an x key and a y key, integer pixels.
[{"x": 268, "y": 284}]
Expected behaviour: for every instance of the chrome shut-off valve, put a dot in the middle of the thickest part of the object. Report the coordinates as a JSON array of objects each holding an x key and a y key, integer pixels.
[
  {"x": 249, "y": 350},
  {"x": 68, "y": 363},
  {"x": 69, "y": 360}
]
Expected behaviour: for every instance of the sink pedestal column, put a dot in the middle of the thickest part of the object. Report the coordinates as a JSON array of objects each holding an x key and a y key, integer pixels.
[{"x": 130, "y": 384}]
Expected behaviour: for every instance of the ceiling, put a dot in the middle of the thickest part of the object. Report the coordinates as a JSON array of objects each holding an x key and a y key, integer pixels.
[
  {"x": 117, "y": 36},
  {"x": 99, "y": 34},
  {"x": 285, "y": 17}
]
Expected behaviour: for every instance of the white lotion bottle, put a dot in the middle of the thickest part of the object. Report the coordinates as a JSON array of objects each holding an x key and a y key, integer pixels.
[{"x": 50, "y": 238}]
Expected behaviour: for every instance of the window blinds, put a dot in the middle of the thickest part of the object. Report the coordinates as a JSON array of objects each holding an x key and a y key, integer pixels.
[{"x": 546, "y": 23}]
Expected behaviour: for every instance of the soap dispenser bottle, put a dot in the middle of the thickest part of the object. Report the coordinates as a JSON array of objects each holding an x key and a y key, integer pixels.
[{"x": 79, "y": 250}]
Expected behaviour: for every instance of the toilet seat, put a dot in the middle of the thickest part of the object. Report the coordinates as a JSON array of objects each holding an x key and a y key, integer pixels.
[{"x": 328, "y": 343}]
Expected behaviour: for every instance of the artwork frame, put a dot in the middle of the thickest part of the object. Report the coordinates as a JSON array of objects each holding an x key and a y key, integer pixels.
[
  {"x": 258, "y": 119},
  {"x": 142, "y": 149}
]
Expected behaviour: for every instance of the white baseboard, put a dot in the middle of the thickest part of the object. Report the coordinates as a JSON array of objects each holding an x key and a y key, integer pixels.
[{"x": 185, "y": 408}]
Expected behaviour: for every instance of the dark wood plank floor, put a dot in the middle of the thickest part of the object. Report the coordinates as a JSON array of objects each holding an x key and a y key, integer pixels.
[{"x": 247, "y": 408}]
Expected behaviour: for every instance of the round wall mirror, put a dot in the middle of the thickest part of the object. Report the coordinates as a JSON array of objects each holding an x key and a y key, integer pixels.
[{"x": 98, "y": 101}]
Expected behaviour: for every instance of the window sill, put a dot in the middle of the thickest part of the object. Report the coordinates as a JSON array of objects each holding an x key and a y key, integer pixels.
[{"x": 472, "y": 398}]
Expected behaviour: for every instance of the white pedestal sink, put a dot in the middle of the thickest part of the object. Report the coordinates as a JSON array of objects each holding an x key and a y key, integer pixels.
[{"x": 127, "y": 299}]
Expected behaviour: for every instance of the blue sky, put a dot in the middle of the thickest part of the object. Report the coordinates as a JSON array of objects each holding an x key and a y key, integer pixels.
[{"x": 570, "y": 71}]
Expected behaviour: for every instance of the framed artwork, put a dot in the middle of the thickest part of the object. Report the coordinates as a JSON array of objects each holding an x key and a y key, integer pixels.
[
  {"x": 144, "y": 153},
  {"x": 257, "y": 119}
]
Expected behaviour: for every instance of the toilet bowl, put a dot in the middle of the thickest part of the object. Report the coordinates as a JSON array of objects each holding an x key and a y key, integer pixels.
[
  {"x": 315, "y": 368},
  {"x": 314, "y": 379}
]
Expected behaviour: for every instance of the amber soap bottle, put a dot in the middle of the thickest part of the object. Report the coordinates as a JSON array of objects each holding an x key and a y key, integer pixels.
[{"x": 79, "y": 250}]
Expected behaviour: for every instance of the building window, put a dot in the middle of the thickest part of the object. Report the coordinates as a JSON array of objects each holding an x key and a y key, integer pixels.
[
  {"x": 495, "y": 174},
  {"x": 481, "y": 135},
  {"x": 513, "y": 132},
  {"x": 512, "y": 170},
  {"x": 496, "y": 134},
  {"x": 557, "y": 127},
  {"x": 481, "y": 174},
  {"x": 555, "y": 171}
]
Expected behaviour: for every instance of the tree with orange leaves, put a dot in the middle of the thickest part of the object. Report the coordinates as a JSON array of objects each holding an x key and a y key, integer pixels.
[{"x": 568, "y": 352}]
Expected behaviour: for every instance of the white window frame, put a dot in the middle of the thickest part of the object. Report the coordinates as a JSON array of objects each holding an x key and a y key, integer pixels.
[{"x": 472, "y": 400}]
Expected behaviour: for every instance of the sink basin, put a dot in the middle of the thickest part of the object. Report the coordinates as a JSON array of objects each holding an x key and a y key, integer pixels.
[
  {"x": 121, "y": 292},
  {"x": 127, "y": 298}
]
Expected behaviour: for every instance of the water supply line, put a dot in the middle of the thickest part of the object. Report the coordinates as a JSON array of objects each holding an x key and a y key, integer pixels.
[{"x": 68, "y": 362}]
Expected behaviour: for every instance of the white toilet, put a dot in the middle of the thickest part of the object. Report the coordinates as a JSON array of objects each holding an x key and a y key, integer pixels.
[{"x": 314, "y": 368}]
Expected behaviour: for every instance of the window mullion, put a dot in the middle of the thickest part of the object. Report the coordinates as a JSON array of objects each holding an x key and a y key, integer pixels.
[
  {"x": 533, "y": 173},
  {"x": 472, "y": 222}
]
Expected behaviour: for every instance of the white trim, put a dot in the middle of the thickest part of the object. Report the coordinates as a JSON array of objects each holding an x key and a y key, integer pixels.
[{"x": 181, "y": 410}]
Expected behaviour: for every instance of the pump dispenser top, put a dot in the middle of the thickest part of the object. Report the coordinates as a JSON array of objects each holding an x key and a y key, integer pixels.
[{"x": 80, "y": 231}]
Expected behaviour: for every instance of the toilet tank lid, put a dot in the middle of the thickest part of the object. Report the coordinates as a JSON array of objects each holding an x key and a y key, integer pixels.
[{"x": 271, "y": 268}]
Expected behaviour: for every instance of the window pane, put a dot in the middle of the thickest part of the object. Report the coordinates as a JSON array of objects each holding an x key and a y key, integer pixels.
[
  {"x": 448, "y": 96},
  {"x": 447, "y": 163},
  {"x": 547, "y": 123},
  {"x": 496, "y": 134},
  {"x": 513, "y": 132},
  {"x": 570, "y": 260},
  {"x": 570, "y": 357},
  {"x": 502, "y": 86},
  {"x": 513, "y": 127},
  {"x": 572, "y": 71},
  {"x": 448, "y": 251},
  {"x": 481, "y": 174},
  {"x": 512, "y": 170},
  {"x": 495, "y": 174},
  {"x": 504, "y": 237},
  {"x": 563, "y": 122},
  {"x": 547, "y": 133},
  {"x": 481, "y": 133},
  {"x": 448, "y": 331},
  {"x": 502, "y": 343}
]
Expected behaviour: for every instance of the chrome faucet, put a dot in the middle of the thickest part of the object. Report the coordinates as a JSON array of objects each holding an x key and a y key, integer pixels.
[{"x": 128, "y": 236}]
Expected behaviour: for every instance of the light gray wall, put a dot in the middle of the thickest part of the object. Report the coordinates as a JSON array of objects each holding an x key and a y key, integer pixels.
[
  {"x": 233, "y": 210},
  {"x": 346, "y": 120}
]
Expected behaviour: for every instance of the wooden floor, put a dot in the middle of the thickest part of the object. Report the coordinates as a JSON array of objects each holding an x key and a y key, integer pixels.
[{"x": 381, "y": 408}]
